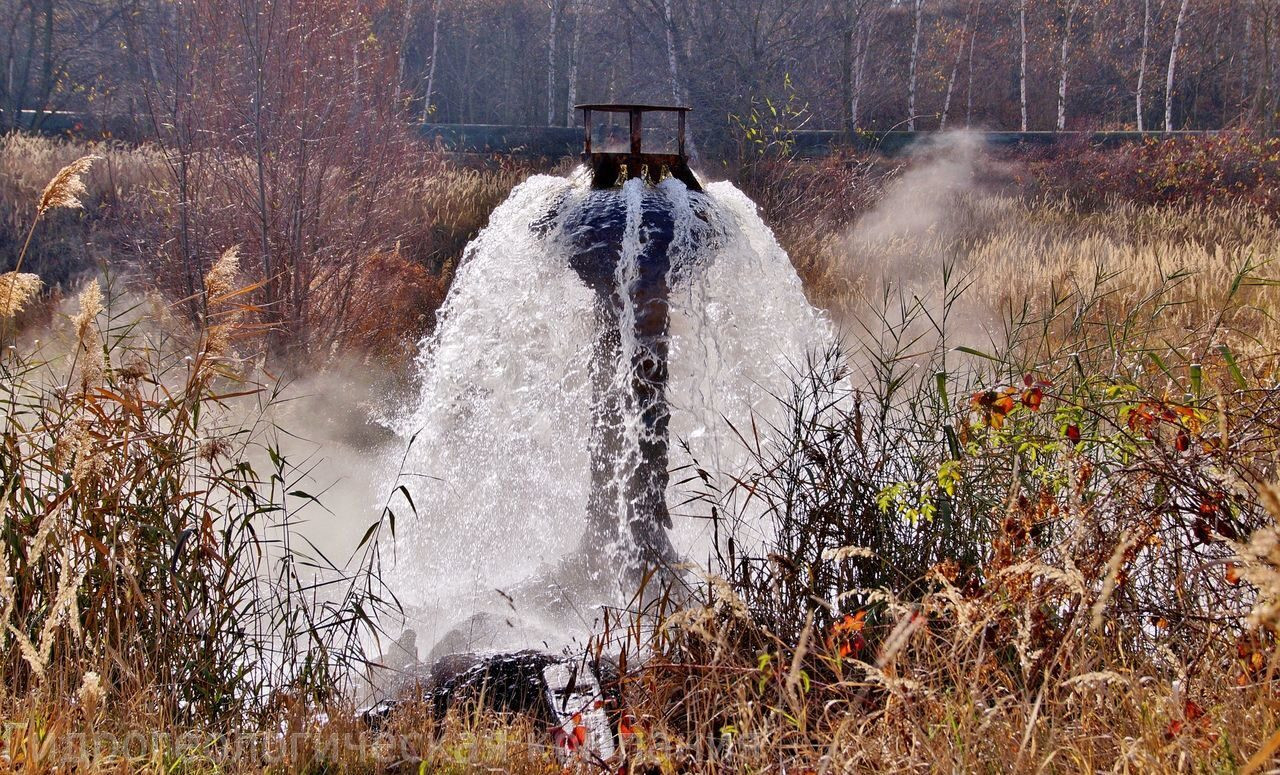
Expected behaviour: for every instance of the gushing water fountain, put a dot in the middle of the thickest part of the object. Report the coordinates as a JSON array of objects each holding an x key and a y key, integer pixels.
[{"x": 596, "y": 319}]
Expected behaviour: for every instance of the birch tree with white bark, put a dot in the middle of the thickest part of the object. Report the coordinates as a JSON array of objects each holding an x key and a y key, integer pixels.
[
  {"x": 576, "y": 11},
  {"x": 1173, "y": 66},
  {"x": 1142, "y": 60},
  {"x": 1022, "y": 62},
  {"x": 918, "y": 13},
  {"x": 551, "y": 62},
  {"x": 955, "y": 66},
  {"x": 1064, "y": 61},
  {"x": 429, "y": 94}
]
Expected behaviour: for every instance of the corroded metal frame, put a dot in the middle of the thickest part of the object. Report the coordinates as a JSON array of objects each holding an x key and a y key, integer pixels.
[{"x": 609, "y": 169}]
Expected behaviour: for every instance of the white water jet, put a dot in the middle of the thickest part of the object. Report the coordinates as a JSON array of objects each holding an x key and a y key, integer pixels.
[{"x": 499, "y": 466}]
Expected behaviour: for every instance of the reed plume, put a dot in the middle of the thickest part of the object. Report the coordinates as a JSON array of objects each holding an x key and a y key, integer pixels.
[
  {"x": 221, "y": 277},
  {"x": 89, "y": 343},
  {"x": 66, "y": 187},
  {"x": 63, "y": 190},
  {"x": 218, "y": 284},
  {"x": 16, "y": 289},
  {"x": 90, "y": 693}
]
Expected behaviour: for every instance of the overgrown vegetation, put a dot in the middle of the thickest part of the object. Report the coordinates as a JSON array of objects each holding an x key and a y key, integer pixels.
[
  {"x": 377, "y": 297},
  {"x": 149, "y": 555},
  {"x": 1026, "y": 519}
]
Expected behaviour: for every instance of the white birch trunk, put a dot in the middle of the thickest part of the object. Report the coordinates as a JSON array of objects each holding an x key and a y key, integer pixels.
[
  {"x": 1063, "y": 61},
  {"x": 572, "y": 101},
  {"x": 955, "y": 68},
  {"x": 1022, "y": 62},
  {"x": 1173, "y": 66},
  {"x": 968, "y": 109},
  {"x": 1142, "y": 59},
  {"x": 431, "y": 70},
  {"x": 405, "y": 24},
  {"x": 551, "y": 63},
  {"x": 915, "y": 62},
  {"x": 860, "y": 69},
  {"x": 677, "y": 90},
  {"x": 669, "y": 26}
]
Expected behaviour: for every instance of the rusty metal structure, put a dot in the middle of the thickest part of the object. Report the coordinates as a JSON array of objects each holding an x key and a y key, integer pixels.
[{"x": 610, "y": 168}]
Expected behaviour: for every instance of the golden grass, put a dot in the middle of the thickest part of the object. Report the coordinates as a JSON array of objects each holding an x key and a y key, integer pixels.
[
  {"x": 1119, "y": 645},
  {"x": 16, "y": 290},
  {"x": 66, "y": 187},
  {"x": 1010, "y": 251}
]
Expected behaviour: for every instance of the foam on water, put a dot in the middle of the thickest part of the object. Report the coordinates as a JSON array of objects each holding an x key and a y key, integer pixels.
[{"x": 499, "y": 464}]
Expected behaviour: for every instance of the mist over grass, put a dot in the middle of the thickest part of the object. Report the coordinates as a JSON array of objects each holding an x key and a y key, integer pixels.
[{"x": 1026, "y": 515}]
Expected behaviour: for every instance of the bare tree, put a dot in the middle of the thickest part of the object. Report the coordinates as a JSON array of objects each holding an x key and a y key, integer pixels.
[
  {"x": 955, "y": 66},
  {"x": 677, "y": 89},
  {"x": 1173, "y": 64},
  {"x": 1022, "y": 62},
  {"x": 669, "y": 28},
  {"x": 1142, "y": 60},
  {"x": 1063, "y": 61},
  {"x": 864, "y": 34},
  {"x": 406, "y": 26},
  {"x": 918, "y": 12},
  {"x": 572, "y": 100},
  {"x": 435, "y": 50},
  {"x": 280, "y": 139},
  {"x": 551, "y": 63},
  {"x": 973, "y": 40}
]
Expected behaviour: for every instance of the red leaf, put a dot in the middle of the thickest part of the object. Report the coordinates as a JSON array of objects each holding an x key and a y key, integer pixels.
[
  {"x": 850, "y": 623},
  {"x": 1192, "y": 710}
]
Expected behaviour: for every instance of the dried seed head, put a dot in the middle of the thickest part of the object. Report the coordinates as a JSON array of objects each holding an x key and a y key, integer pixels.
[
  {"x": 221, "y": 278},
  {"x": 90, "y": 308},
  {"x": 16, "y": 289},
  {"x": 133, "y": 370},
  {"x": 211, "y": 449},
  {"x": 90, "y": 693},
  {"x": 90, "y": 349},
  {"x": 219, "y": 282},
  {"x": 66, "y": 188},
  {"x": 1261, "y": 565}
]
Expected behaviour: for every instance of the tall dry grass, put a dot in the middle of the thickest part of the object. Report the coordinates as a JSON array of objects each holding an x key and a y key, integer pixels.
[
  {"x": 1024, "y": 521},
  {"x": 150, "y": 566},
  {"x": 374, "y": 298},
  {"x": 1034, "y": 530}
]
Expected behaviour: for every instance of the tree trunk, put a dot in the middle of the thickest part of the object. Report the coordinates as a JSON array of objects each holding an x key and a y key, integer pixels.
[
  {"x": 406, "y": 24},
  {"x": 955, "y": 68},
  {"x": 1063, "y": 61},
  {"x": 668, "y": 24},
  {"x": 1173, "y": 66},
  {"x": 677, "y": 91},
  {"x": 848, "y": 45},
  {"x": 1245, "y": 102},
  {"x": 1142, "y": 59},
  {"x": 860, "y": 69},
  {"x": 258, "y": 44},
  {"x": 431, "y": 70},
  {"x": 551, "y": 63},
  {"x": 968, "y": 109},
  {"x": 915, "y": 63},
  {"x": 22, "y": 86},
  {"x": 46, "y": 69},
  {"x": 1022, "y": 62},
  {"x": 572, "y": 101}
]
